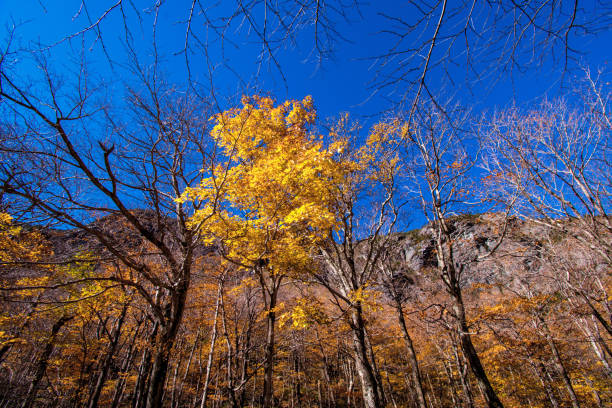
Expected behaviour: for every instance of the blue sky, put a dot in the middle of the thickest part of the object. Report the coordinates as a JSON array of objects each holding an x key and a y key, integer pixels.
[{"x": 341, "y": 83}]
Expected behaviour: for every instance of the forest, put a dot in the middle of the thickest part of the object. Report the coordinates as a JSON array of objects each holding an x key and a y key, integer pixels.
[{"x": 192, "y": 216}]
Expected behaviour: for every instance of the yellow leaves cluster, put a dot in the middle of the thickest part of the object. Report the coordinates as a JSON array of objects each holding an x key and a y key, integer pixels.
[
  {"x": 518, "y": 307},
  {"x": 6, "y": 339},
  {"x": 274, "y": 193},
  {"x": 31, "y": 282},
  {"x": 17, "y": 244},
  {"x": 378, "y": 159},
  {"x": 276, "y": 309},
  {"x": 269, "y": 198},
  {"x": 306, "y": 312},
  {"x": 247, "y": 282},
  {"x": 241, "y": 132},
  {"x": 5, "y": 220},
  {"x": 368, "y": 298}
]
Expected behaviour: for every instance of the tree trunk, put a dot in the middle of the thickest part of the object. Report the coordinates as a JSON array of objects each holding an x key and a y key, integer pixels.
[
  {"x": 118, "y": 394},
  {"x": 268, "y": 390},
  {"x": 454, "y": 394},
  {"x": 272, "y": 293},
  {"x": 166, "y": 341},
  {"x": 140, "y": 389},
  {"x": 414, "y": 364},
  {"x": 179, "y": 393},
  {"x": 606, "y": 325},
  {"x": 177, "y": 368},
  {"x": 595, "y": 345},
  {"x": 159, "y": 372},
  {"x": 297, "y": 384},
  {"x": 596, "y": 395},
  {"x": 463, "y": 376},
  {"x": 43, "y": 361},
  {"x": 349, "y": 381},
  {"x": 369, "y": 389},
  {"x": 110, "y": 353},
  {"x": 562, "y": 370},
  {"x": 469, "y": 351},
  {"x": 211, "y": 351},
  {"x": 244, "y": 356},
  {"x": 229, "y": 361},
  {"x": 451, "y": 274},
  {"x": 540, "y": 371},
  {"x": 431, "y": 404},
  {"x": 26, "y": 323},
  {"x": 326, "y": 372},
  {"x": 372, "y": 359}
]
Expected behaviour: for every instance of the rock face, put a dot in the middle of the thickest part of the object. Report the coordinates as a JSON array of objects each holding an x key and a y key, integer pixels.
[
  {"x": 475, "y": 237},
  {"x": 70, "y": 242},
  {"x": 518, "y": 258}
]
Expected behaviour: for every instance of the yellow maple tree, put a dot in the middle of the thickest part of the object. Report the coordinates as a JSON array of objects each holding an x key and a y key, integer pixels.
[{"x": 269, "y": 198}]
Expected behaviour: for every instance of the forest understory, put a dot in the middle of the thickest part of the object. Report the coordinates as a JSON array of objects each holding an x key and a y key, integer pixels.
[{"x": 535, "y": 332}]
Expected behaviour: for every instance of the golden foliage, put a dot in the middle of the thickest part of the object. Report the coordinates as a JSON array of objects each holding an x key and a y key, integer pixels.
[{"x": 269, "y": 198}]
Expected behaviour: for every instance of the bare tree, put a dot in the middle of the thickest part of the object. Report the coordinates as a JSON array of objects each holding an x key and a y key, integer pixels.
[
  {"x": 486, "y": 39},
  {"x": 368, "y": 206},
  {"x": 556, "y": 157},
  {"x": 397, "y": 282},
  {"x": 443, "y": 157},
  {"x": 89, "y": 163},
  {"x": 423, "y": 41}
]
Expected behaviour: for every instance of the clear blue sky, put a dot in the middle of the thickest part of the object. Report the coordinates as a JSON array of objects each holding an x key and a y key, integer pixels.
[{"x": 341, "y": 83}]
